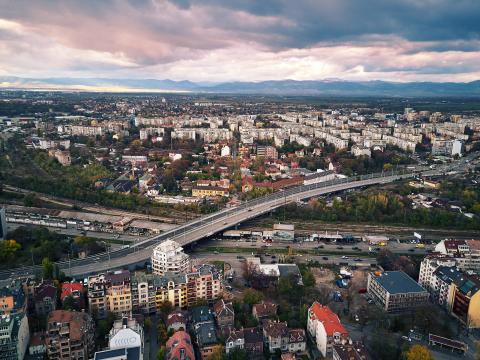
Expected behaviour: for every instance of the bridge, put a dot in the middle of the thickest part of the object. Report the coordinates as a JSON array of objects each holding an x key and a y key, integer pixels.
[{"x": 216, "y": 222}]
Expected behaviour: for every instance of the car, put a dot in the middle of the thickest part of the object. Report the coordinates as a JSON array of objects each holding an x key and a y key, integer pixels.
[
  {"x": 412, "y": 250},
  {"x": 240, "y": 257},
  {"x": 228, "y": 287},
  {"x": 325, "y": 258},
  {"x": 273, "y": 262},
  {"x": 344, "y": 257},
  {"x": 320, "y": 247},
  {"x": 216, "y": 252},
  {"x": 340, "y": 247},
  {"x": 358, "y": 259}
]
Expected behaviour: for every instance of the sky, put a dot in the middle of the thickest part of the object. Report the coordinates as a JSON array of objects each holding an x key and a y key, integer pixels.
[{"x": 242, "y": 40}]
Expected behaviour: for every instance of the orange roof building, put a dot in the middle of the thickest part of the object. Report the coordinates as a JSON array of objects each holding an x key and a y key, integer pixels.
[{"x": 325, "y": 327}]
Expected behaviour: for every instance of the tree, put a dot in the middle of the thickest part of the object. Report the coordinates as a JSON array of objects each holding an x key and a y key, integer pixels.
[
  {"x": 47, "y": 268},
  {"x": 418, "y": 352},
  {"x": 161, "y": 353},
  {"x": 165, "y": 308},
  {"x": 8, "y": 248},
  {"x": 219, "y": 353},
  {"x": 70, "y": 303},
  {"x": 251, "y": 297},
  {"x": 238, "y": 354}
]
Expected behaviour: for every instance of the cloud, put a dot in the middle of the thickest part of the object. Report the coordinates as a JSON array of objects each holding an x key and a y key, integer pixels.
[{"x": 213, "y": 40}]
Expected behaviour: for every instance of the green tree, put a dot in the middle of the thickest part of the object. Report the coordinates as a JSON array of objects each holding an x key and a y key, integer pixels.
[
  {"x": 251, "y": 296},
  {"x": 47, "y": 269},
  {"x": 70, "y": 303},
  {"x": 161, "y": 353}
]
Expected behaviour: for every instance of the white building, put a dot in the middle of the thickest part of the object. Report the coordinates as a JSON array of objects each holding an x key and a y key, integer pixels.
[
  {"x": 126, "y": 333},
  {"x": 225, "y": 151},
  {"x": 325, "y": 328},
  {"x": 169, "y": 257}
]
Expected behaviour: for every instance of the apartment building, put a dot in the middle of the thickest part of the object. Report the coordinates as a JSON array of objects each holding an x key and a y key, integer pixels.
[
  {"x": 428, "y": 266},
  {"x": 45, "y": 298},
  {"x": 14, "y": 336},
  {"x": 143, "y": 293},
  {"x": 268, "y": 152},
  {"x": 119, "y": 293},
  {"x": 325, "y": 328},
  {"x": 70, "y": 335},
  {"x": 464, "y": 300},
  {"x": 446, "y": 147},
  {"x": 12, "y": 299},
  {"x": 210, "y": 191},
  {"x": 171, "y": 287},
  {"x": 465, "y": 252},
  {"x": 169, "y": 257},
  {"x": 205, "y": 283},
  {"x": 395, "y": 291},
  {"x": 110, "y": 292},
  {"x": 86, "y": 130}
]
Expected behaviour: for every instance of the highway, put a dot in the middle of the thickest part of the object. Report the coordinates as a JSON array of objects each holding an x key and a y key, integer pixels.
[{"x": 210, "y": 224}]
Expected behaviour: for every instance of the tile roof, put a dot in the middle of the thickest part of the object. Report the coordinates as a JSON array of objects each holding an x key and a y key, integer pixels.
[
  {"x": 328, "y": 318},
  {"x": 265, "y": 309}
]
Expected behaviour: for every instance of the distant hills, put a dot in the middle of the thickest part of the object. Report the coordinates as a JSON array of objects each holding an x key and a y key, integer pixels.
[{"x": 274, "y": 87}]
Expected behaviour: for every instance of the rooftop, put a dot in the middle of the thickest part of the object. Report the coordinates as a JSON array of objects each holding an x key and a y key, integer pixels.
[
  {"x": 397, "y": 282},
  {"x": 328, "y": 318},
  {"x": 117, "y": 354}
]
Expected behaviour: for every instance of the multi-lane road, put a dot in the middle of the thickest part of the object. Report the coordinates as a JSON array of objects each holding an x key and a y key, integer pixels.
[{"x": 210, "y": 224}]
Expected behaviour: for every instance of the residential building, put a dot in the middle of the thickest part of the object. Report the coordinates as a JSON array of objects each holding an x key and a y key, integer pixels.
[
  {"x": 169, "y": 257},
  {"x": 12, "y": 299},
  {"x": 45, "y": 298},
  {"x": 110, "y": 292},
  {"x": 172, "y": 288},
  {"x": 203, "y": 327},
  {"x": 395, "y": 291},
  {"x": 464, "y": 300},
  {"x": 224, "y": 314},
  {"x": 268, "y": 152},
  {"x": 14, "y": 336},
  {"x": 143, "y": 293},
  {"x": 119, "y": 293},
  {"x": 276, "y": 335},
  {"x": 325, "y": 328},
  {"x": 297, "y": 340},
  {"x": 204, "y": 283},
  {"x": 428, "y": 266},
  {"x": 73, "y": 290},
  {"x": 264, "y": 310},
  {"x": 235, "y": 340},
  {"x": 179, "y": 347},
  {"x": 36, "y": 346},
  {"x": 212, "y": 191},
  {"x": 126, "y": 333},
  {"x": 97, "y": 296},
  {"x": 253, "y": 342},
  {"x": 176, "y": 321},
  {"x": 70, "y": 335}
]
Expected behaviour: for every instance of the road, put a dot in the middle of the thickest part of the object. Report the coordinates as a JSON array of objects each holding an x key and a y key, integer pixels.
[{"x": 208, "y": 225}]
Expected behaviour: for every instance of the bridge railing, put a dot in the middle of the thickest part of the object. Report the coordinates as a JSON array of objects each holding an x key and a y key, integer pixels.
[{"x": 195, "y": 223}]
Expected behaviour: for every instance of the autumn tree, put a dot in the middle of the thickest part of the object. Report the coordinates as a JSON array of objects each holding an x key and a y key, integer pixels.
[
  {"x": 418, "y": 352},
  {"x": 8, "y": 248}
]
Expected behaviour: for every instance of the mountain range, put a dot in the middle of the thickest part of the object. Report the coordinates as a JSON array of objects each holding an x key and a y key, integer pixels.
[{"x": 332, "y": 87}]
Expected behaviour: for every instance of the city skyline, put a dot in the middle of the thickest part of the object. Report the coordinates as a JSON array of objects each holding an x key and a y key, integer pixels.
[{"x": 212, "y": 41}]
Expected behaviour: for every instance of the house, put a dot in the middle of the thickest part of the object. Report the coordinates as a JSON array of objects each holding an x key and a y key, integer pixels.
[
  {"x": 176, "y": 321},
  {"x": 264, "y": 310},
  {"x": 325, "y": 328},
  {"x": 297, "y": 340},
  {"x": 276, "y": 335},
  {"x": 235, "y": 340},
  {"x": 45, "y": 298},
  {"x": 179, "y": 346},
  {"x": 75, "y": 291},
  {"x": 12, "y": 299},
  {"x": 253, "y": 338},
  {"x": 204, "y": 329},
  {"x": 224, "y": 314}
]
